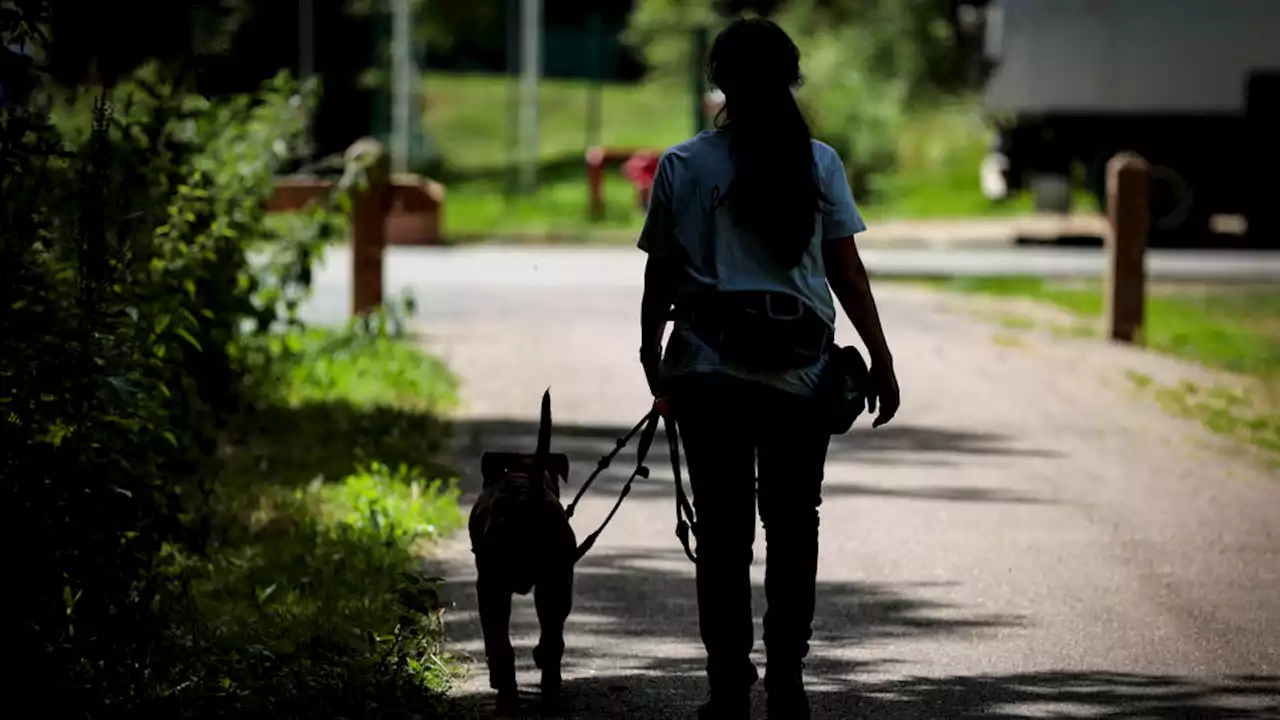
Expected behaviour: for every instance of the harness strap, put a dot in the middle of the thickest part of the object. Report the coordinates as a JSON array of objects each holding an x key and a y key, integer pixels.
[
  {"x": 604, "y": 463},
  {"x": 650, "y": 425},
  {"x": 648, "y": 429},
  {"x": 686, "y": 522}
]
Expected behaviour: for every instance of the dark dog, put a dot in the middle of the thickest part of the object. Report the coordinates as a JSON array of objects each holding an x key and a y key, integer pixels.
[{"x": 522, "y": 540}]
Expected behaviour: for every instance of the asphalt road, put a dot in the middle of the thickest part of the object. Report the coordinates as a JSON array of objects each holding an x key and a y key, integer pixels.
[
  {"x": 1026, "y": 540},
  {"x": 430, "y": 270}
]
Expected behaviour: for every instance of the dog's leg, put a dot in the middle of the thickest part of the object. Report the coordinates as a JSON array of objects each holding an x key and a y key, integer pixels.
[
  {"x": 553, "y": 598},
  {"x": 494, "y": 599}
]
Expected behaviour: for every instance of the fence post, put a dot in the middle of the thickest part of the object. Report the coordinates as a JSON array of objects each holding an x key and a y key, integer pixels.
[
  {"x": 1128, "y": 209},
  {"x": 595, "y": 183},
  {"x": 369, "y": 207}
]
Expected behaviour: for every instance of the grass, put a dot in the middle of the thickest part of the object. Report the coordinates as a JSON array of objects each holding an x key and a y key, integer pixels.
[
  {"x": 467, "y": 117},
  {"x": 1233, "y": 328},
  {"x": 310, "y": 602},
  {"x": 558, "y": 209},
  {"x": 467, "y": 120}
]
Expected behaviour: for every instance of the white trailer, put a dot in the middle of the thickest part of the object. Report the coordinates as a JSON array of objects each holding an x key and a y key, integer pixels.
[{"x": 1193, "y": 85}]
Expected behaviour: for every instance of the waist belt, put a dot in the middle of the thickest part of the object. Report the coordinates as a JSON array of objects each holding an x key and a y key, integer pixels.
[{"x": 759, "y": 330}]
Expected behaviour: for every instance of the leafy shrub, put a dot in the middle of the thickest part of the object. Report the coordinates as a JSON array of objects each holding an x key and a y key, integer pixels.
[{"x": 125, "y": 288}]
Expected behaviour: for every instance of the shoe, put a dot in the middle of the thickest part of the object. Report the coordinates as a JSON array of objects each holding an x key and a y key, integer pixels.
[
  {"x": 786, "y": 696},
  {"x": 788, "y": 706},
  {"x": 731, "y": 694},
  {"x": 507, "y": 704},
  {"x": 719, "y": 708}
]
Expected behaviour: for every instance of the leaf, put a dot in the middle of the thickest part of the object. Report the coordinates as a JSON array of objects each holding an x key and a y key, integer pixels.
[
  {"x": 162, "y": 322},
  {"x": 173, "y": 439},
  {"x": 182, "y": 332}
]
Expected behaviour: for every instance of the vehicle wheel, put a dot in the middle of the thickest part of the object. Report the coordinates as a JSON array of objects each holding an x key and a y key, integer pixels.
[
  {"x": 1051, "y": 193},
  {"x": 1177, "y": 218}
]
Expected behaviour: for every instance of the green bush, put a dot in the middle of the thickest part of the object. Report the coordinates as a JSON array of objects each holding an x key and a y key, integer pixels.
[{"x": 126, "y": 290}]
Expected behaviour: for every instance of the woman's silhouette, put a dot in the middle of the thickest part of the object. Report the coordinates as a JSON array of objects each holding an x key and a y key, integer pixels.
[{"x": 750, "y": 228}]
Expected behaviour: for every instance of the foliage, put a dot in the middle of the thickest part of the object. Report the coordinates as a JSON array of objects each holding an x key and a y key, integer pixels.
[
  {"x": 365, "y": 365},
  {"x": 311, "y": 601},
  {"x": 126, "y": 292},
  {"x": 867, "y": 63}
]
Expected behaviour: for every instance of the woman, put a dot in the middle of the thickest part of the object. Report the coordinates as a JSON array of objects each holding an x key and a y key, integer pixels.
[{"x": 750, "y": 220}]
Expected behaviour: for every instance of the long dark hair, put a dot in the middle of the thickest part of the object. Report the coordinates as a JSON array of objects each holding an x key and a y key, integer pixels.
[{"x": 775, "y": 192}]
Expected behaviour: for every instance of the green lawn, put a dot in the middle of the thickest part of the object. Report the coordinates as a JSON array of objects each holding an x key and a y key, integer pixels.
[
  {"x": 1231, "y": 328},
  {"x": 467, "y": 122},
  {"x": 467, "y": 119}
]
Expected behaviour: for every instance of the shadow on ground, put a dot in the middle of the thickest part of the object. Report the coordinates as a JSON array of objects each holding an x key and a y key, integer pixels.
[
  {"x": 1000, "y": 697},
  {"x": 904, "y": 445},
  {"x": 633, "y": 634},
  {"x": 628, "y": 601},
  {"x": 1207, "y": 240},
  {"x": 328, "y": 440},
  {"x": 625, "y": 603}
]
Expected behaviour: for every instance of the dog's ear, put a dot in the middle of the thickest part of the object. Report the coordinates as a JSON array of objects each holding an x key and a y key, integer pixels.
[{"x": 544, "y": 426}]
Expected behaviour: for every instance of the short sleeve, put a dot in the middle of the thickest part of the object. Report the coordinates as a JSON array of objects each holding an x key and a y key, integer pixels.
[
  {"x": 840, "y": 215},
  {"x": 657, "y": 237}
]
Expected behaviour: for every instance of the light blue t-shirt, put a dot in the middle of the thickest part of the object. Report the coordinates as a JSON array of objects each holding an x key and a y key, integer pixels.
[{"x": 691, "y": 181}]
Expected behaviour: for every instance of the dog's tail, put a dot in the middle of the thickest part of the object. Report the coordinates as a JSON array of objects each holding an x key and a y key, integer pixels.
[{"x": 544, "y": 427}]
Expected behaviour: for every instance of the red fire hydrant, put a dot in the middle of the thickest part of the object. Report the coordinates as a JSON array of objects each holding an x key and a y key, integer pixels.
[{"x": 640, "y": 170}]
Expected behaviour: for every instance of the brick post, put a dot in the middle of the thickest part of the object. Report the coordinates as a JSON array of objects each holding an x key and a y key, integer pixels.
[
  {"x": 1128, "y": 209},
  {"x": 369, "y": 207}
]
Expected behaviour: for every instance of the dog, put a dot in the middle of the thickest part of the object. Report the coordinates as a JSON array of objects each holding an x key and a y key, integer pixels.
[{"x": 523, "y": 542}]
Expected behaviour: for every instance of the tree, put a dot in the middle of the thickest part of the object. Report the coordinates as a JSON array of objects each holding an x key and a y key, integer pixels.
[{"x": 866, "y": 63}]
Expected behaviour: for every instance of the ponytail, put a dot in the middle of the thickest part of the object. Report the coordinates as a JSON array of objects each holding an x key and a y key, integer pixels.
[{"x": 775, "y": 193}]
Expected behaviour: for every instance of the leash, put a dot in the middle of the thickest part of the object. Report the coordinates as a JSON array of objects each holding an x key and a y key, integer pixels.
[{"x": 648, "y": 429}]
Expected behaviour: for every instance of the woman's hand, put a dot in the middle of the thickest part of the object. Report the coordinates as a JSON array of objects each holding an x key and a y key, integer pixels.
[
  {"x": 884, "y": 389},
  {"x": 651, "y": 362}
]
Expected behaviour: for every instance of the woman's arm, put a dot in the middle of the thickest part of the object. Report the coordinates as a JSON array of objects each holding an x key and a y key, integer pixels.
[
  {"x": 660, "y": 281},
  {"x": 661, "y": 274},
  {"x": 848, "y": 279}
]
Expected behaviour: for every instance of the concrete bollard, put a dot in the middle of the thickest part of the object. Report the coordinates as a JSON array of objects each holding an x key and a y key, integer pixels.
[
  {"x": 369, "y": 207},
  {"x": 1128, "y": 209}
]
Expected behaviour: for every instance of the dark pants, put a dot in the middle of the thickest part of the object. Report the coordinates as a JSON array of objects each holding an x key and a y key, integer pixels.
[{"x": 742, "y": 439}]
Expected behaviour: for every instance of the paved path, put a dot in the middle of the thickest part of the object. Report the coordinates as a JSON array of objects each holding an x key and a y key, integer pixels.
[
  {"x": 1026, "y": 540},
  {"x": 425, "y": 269}
]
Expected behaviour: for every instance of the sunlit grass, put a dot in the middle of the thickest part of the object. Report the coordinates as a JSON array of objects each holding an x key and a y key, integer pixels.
[
  {"x": 1230, "y": 328},
  {"x": 469, "y": 125},
  {"x": 310, "y": 602}
]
